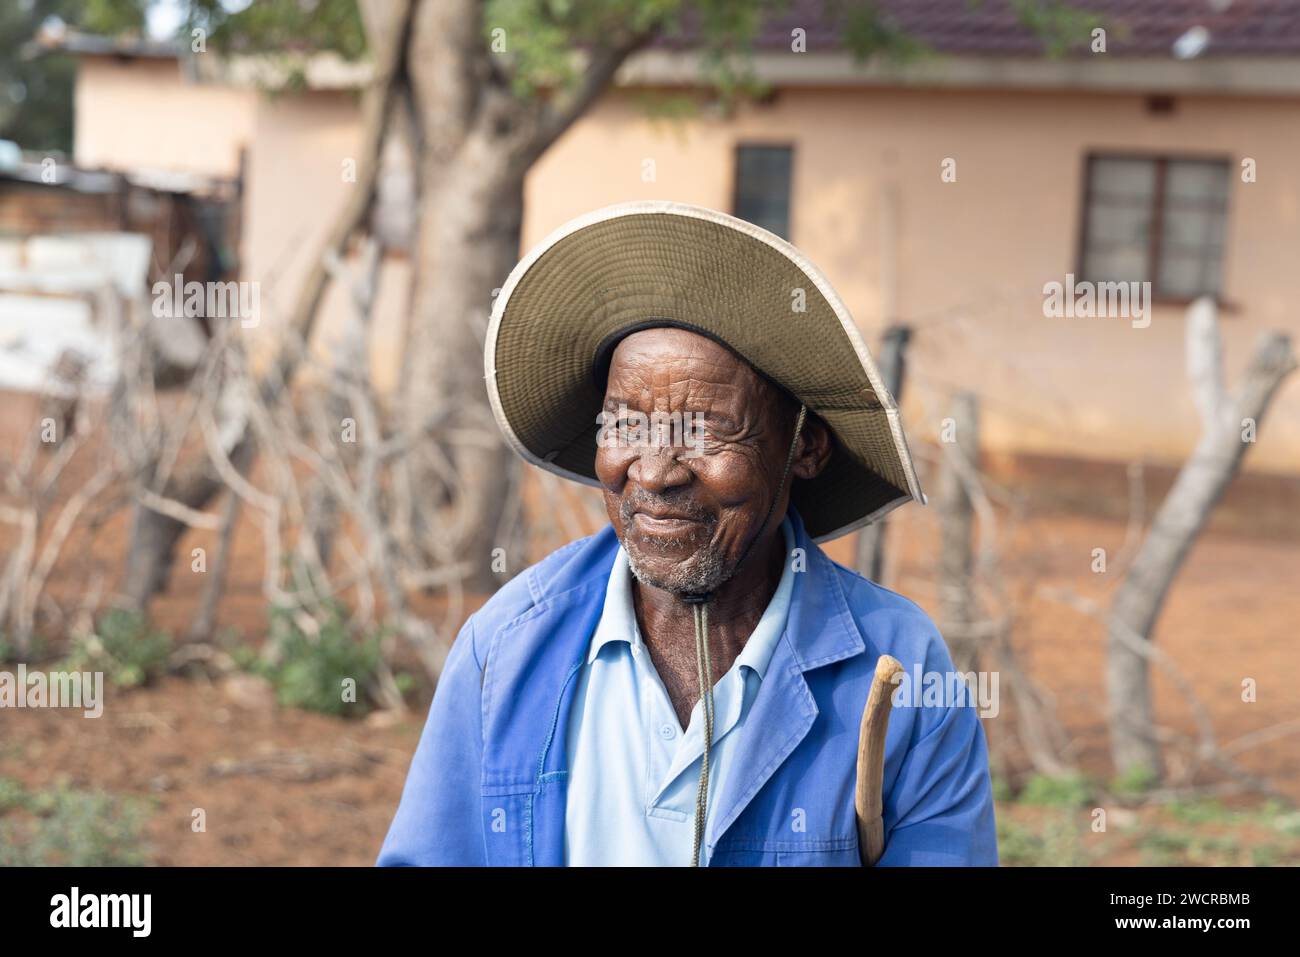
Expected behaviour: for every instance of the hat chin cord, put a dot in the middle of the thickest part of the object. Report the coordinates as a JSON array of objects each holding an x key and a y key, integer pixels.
[{"x": 704, "y": 667}]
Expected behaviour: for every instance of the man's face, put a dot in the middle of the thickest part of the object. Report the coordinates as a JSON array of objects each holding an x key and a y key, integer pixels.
[{"x": 686, "y": 515}]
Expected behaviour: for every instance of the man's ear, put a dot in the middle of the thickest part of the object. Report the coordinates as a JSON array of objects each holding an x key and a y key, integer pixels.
[{"x": 814, "y": 451}]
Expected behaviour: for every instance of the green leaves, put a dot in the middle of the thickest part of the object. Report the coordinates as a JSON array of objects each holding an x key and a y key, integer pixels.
[
  {"x": 310, "y": 671},
  {"x": 277, "y": 26},
  {"x": 125, "y": 647},
  {"x": 72, "y": 828}
]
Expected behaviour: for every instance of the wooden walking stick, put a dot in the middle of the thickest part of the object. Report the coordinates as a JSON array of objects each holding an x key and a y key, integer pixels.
[{"x": 868, "y": 800}]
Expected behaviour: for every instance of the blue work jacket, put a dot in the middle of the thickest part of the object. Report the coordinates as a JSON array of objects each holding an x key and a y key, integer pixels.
[{"x": 487, "y": 785}]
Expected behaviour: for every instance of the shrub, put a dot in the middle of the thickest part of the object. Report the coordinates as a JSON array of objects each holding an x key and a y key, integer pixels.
[
  {"x": 309, "y": 671},
  {"x": 1057, "y": 841},
  {"x": 125, "y": 647},
  {"x": 74, "y": 828},
  {"x": 1202, "y": 811},
  {"x": 12, "y": 795},
  {"x": 1135, "y": 782},
  {"x": 1067, "y": 791}
]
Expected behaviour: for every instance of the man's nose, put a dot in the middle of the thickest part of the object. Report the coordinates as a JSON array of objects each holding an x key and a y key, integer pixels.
[{"x": 659, "y": 469}]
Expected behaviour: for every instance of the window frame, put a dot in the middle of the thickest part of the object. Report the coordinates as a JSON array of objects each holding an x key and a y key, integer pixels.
[
  {"x": 1154, "y": 246},
  {"x": 735, "y": 178}
]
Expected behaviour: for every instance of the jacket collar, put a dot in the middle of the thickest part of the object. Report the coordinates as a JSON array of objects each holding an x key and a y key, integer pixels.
[
  {"x": 533, "y": 660},
  {"x": 820, "y": 630}
]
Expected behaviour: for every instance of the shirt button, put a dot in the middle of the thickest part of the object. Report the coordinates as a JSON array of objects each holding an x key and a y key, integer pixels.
[{"x": 667, "y": 732}]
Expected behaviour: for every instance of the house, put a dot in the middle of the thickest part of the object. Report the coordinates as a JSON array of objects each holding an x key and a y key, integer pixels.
[
  {"x": 971, "y": 193},
  {"x": 77, "y": 251}
]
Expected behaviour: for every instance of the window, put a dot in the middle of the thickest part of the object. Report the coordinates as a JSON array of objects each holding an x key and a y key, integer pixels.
[
  {"x": 1155, "y": 219},
  {"x": 763, "y": 187}
]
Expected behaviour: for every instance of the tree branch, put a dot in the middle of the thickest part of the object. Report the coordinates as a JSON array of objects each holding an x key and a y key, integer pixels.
[
  {"x": 1205, "y": 360},
  {"x": 603, "y": 64}
]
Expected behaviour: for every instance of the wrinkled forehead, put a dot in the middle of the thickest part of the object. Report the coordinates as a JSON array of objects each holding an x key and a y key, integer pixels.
[{"x": 666, "y": 358}]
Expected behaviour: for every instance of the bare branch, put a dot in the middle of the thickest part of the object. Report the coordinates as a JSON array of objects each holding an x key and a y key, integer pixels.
[
  {"x": 1205, "y": 360},
  {"x": 178, "y": 510}
]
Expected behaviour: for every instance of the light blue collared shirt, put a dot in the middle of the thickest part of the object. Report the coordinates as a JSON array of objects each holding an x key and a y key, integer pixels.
[{"x": 634, "y": 773}]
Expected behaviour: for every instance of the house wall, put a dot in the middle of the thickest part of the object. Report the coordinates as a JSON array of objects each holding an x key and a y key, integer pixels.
[
  {"x": 298, "y": 179},
  {"x": 969, "y": 258},
  {"x": 145, "y": 114},
  {"x": 964, "y": 262}
]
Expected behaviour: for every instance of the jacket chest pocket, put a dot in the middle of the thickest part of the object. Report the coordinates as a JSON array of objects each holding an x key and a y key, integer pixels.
[
  {"x": 820, "y": 857},
  {"x": 839, "y": 852}
]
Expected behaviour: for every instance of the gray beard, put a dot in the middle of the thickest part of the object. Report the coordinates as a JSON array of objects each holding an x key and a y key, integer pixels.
[{"x": 701, "y": 574}]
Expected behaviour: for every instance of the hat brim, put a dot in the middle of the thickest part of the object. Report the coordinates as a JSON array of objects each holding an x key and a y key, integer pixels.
[{"x": 621, "y": 267}]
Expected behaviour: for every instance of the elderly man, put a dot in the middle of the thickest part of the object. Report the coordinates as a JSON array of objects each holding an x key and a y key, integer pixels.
[{"x": 685, "y": 687}]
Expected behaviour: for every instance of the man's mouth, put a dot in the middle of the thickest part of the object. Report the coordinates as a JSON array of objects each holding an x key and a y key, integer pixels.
[
  {"x": 669, "y": 520},
  {"x": 667, "y": 523}
]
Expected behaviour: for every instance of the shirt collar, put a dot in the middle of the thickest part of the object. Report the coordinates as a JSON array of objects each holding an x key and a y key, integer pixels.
[{"x": 618, "y": 617}]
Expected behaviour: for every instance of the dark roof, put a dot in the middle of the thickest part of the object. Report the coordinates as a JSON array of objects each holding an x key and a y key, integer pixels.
[
  {"x": 991, "y": 27},
  {"x": 970, "y": 27}
]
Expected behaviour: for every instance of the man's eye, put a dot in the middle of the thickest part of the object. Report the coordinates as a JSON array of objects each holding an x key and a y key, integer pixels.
[
  {"x": 622, "y": 431},
  {"x": 707, "y": 432}
]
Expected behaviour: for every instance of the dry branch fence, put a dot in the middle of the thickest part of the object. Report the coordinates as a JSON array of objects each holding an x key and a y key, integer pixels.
[{"x": 334, "y": 511}]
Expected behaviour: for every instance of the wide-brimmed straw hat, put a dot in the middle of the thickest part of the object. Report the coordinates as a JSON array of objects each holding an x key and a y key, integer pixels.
[{"x": 649, "y": 263}]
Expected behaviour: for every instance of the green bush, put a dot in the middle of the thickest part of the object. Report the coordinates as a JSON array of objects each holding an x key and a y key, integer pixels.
[
  {"x": 309, "y": 671},
  {"x": 1266, "y": 856},
  {"x": 1161, "y": 848},
  {"x": 74, "y": 828},
  {"x": 1135, "y": 782},
  {"x": 1203, "y": 811},
  {"x": 12, "y": 794},
  {"x": 1057, "y": 841},
  {"x": 1067, "y": 791},
  {"x": 125, "y": 647}
]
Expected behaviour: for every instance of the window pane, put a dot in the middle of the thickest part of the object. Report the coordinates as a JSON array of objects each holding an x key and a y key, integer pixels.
[
  {"x": 1192, "y": 227},
  {"x": 763, "y": 187},
  {"x": 1124, "y": 178},
  {"x": 1117, "y": 234},
  {"x": 1182, "y": 276},
  {"x": 1211, "y": 275},
  {"x": 1191, "y": 230},
  {"x": 1110, "y": 225},
  {"x": 1124, "y": 265},
  {"x": 1202, "y": 183}
]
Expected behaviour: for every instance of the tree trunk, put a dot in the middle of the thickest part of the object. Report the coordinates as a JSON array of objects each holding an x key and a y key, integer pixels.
[
  {"x": 1180, "y": 519},
  {"x": 204, "y": 624},
  {"x": 468, "y": 242},
  {"x": 957, "y": 529},
  {"x": 154, "y": 535}
]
